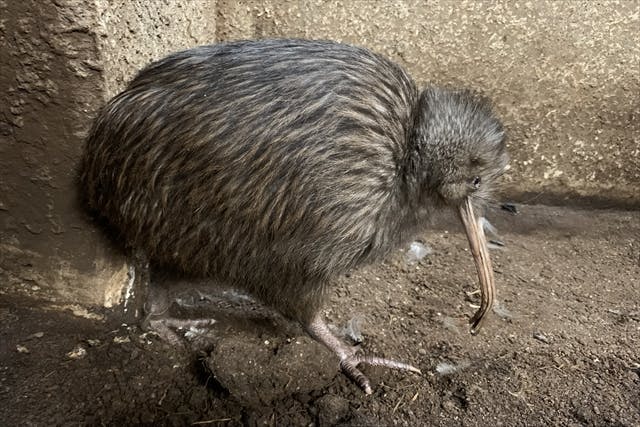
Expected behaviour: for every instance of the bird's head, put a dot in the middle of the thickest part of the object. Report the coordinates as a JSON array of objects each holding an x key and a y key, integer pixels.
[{"x": 461, "y": 147}]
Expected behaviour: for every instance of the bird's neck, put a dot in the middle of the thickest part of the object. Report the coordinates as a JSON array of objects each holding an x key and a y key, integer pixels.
[{"x": 414, "y": 192}]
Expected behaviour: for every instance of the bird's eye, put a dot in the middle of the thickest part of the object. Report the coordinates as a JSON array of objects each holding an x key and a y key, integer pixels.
[{"x": 476, "y": 182}]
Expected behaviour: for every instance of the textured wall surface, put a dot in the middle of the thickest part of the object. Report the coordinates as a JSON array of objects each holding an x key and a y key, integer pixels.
[
  {"x": 133, "y": 33},
  {"x": 50, "y": 82},
  {"x": 60, "y": 61},
  {"x": 564, "y": 75}
]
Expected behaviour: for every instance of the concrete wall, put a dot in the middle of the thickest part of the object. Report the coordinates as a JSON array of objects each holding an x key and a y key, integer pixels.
[
  {"x": 60, "y": 61},
  {"x": 565, "y": 77},
  {"x": 50, "y": 81},
  {"x": 132, "y": 33}
]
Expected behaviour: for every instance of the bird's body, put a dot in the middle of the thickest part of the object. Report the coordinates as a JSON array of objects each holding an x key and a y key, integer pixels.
[{"x": 275, "y": 165}]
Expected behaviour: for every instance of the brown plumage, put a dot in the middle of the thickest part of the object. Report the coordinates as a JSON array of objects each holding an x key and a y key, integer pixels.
[{"x": 275, "y": 165}]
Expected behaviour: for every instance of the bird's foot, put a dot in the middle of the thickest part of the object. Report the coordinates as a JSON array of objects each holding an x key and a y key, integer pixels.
[
  {"x": 173, "y": 330},
  {"x": 350, "y": 364},
  {"x": 349, "y": 361}
]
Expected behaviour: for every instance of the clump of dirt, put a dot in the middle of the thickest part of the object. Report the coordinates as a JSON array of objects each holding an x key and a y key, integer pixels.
[
  {"x": 561, "y": 347},
  {"x": 270, "y": 370}
]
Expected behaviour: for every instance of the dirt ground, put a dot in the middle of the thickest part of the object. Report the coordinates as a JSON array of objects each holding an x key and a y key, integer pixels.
[{"x": 562, "y": 348}]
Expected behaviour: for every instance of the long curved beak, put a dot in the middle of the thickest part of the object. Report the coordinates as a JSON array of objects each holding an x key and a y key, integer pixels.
[{"x": 478, "y": 245}]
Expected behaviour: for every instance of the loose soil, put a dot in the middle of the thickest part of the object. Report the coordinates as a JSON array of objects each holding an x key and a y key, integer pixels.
[{"x": 562, "y": 348}]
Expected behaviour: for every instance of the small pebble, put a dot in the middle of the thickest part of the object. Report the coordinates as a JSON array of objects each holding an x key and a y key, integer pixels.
[
  {"x": 78, "y": 352},
  {"x": 121, "y": 340},
  {"x": 541, "y": 337},
  {"x": 22, "y": 349}
]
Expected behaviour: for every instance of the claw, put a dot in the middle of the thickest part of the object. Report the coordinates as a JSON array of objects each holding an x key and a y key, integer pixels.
[
  {"x": 349, "y": 367},
  {"x": 393, "y": 364},
  {"x": 349, "y": 361}
]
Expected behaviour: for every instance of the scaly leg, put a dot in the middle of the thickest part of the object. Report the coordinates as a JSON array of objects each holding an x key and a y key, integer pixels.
[{"x": 349, "y": 362}]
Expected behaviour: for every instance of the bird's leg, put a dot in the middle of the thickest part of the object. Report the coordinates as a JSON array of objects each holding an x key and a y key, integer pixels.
[{"x": 349, "y": 361}]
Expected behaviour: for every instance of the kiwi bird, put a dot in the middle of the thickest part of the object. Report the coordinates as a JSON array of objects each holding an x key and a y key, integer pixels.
[{"x": 275, "y": 165}]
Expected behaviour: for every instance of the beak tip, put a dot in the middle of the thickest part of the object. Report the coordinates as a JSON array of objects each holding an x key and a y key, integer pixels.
[{"x": 476, "y": 325}]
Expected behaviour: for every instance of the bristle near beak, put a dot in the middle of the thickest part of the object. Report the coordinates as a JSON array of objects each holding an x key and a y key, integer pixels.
[{"x": 480, "y": 252}]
